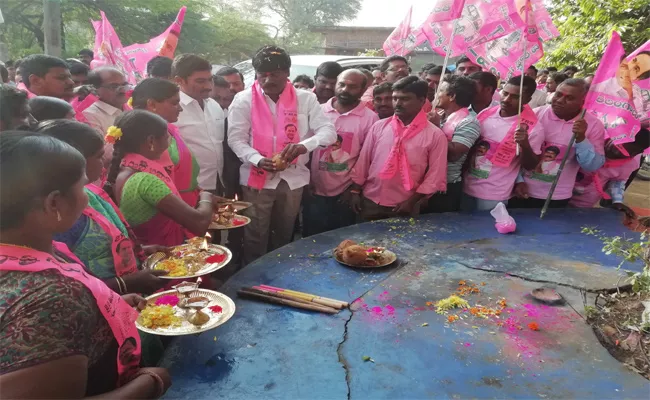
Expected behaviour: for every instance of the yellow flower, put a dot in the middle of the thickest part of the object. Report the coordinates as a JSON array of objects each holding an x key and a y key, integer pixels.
[
  {"x": 130, "y": 102},
  {"x": 113, "y": 134}
]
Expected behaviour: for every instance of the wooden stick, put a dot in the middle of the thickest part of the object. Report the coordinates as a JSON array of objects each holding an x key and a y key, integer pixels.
[
  {"x": 289, "y": 296},
  {"x": 291, "y": 303},
  {"x": 273, "y": 288},
  {"x": 304, "y": 297}
]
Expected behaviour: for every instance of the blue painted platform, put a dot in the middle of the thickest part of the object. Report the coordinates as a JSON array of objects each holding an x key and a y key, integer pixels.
[{"x": 275, "y": 352}]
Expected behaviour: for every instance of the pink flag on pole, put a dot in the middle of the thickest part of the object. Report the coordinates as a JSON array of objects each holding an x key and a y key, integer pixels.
[
  {"x": 612, "y": 96},
  {"x": 446, "y": 10},
  {"x": 108, "y": 49},
  {"x": 139, "y": 54},
  {"x": 480, "y": 22},
  {"x": 395, "y": 43},
  {"x": 509, "y": 55}
]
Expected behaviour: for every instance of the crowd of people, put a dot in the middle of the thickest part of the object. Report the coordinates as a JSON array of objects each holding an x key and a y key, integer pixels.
[{"x": 98, "y": 174}]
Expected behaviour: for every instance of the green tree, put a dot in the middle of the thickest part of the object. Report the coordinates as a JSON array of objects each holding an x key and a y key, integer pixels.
[{"x": 585, "y": 27}]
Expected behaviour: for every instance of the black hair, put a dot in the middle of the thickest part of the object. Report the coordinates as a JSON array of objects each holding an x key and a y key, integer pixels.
[
  {"x": 329, "y": 70},
  {"x": 383, "y": 87},
  {"x": 642, "y": 138},
  {"x": 46, "y": 107},
  {"x": 558, "y": 77},
  {"x": 486, "y": 79},
  {"x": 570, "y": 68},
  {"x": 552, "y": 149},
  {"x": 543, "y": 72},
  {"x": 551, "y": 69},
  {"x": 159, "y": 67},
  {"x": 646, "y": 74},
  {"x": 304, "y": 79},
  {"x": 271, "y": 58},
  {"x": 86, "y": 52},
  {"x": 462, "y": 87},
  {"x": 82, "y": 137},
  {"x": 533, "y": 68},
  {"x": 577, "y": 82},
  {"x": 225, "y": 71},
  {"x": 39, "y": 65},
  {"x": 9, "y": 63},
  {"x": 529, "y": 84},
  {"x": 12, "y": 103},
  {"x": 78, "y": 68},
  {"x": 157, "y": 89},
  {"x": 483, "y": 143},
  {"x": 186, "y": 64},
  {"x": 437, "y": 70},
  {"x": 136, "y": 126},
  {"x": 428, "y": 66},
  {"x": 220, "y": 81},
  {"x": 412, "y": 84},
  {"x": 95, "y": 75},
  {"x": 288, "y": 125},
  {"x": 33, "y": 166},
  {"x": 4, "y": 74},
  {"x": 386, "y": 63},
  {"x": 463, "y": 59},
  {"x": 339, "y": 138}
]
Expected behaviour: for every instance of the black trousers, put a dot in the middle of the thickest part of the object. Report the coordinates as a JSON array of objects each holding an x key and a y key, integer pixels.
[
  {"x": 536, "y": 203},
  {"x": 446, "y": 202}
]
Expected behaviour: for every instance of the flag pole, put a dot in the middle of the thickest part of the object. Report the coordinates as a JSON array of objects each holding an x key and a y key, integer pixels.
[
  {"x": 446, "y": 61},
  {"x": 523, "y": 70},
  {"x": 559, "y": 171}
]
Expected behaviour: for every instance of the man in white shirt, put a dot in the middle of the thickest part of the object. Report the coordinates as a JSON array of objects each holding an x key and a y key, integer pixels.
[
  {"x": 111, "y": 86},
  {"x": 279, "y": 180},
  {"x": 201, "y": 123}
]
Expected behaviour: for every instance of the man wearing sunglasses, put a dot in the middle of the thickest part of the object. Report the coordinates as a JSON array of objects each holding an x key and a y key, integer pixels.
[{"x": 111, "y": 86}]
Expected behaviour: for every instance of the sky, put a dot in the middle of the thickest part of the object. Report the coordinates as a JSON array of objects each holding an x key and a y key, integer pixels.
[{"x": 389, "y": 13}]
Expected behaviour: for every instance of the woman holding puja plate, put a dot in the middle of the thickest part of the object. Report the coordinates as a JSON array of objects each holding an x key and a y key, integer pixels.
[
  {"x": 63, "y": 332},
  {"x": 142, "y": 187},
  {"x": 162, "y": 97}
]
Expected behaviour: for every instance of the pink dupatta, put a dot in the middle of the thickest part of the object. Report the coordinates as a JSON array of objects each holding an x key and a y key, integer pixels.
[
  {"x": 507, "y": 149},
  {"x": 397, "y": 158},
  {"x": 452, "y": 122},
  {"x": 160, "y": 229},
  {"x": 182, "y": 171},
  {"x": 119, "y": 315},
  {"x": 267, "y": 130}
]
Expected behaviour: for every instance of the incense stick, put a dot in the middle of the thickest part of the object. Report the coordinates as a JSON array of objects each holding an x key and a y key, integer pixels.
[
  {"x": 273, "y": 288},
  {"x": 305, "y": 297},
  {"x": 277, "y": 300}
]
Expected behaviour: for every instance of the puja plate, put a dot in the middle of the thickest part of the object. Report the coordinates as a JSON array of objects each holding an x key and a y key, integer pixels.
[
  {"x": 187, "y": 328},
  {"x": 387, "y": 258},
  {"x": 157, "y": 257},
  {"x": 236, "y": 204},
  {"x": 243, "y": 221}
]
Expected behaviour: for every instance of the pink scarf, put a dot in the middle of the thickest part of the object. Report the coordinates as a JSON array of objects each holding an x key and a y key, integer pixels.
[
  {"x": 119, "y": 315},
  {"x": 21, "y": 86},
  {"x": 80, "y": 106},
  {"x": 397, "y": 158},
  {"x": 507, "y": 149},
  {"x": 452, "y": 122},
  {"x": 261, "y": 122},
  {"x": 182, "y": 171},
  {"x": 142, "y": 164}
]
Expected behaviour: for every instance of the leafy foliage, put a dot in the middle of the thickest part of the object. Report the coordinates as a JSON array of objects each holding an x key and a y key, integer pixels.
[
  {"x": 211, "y": 28},
  {"x": 585, "y": 27},
  {"x": 629, "y": 251}
]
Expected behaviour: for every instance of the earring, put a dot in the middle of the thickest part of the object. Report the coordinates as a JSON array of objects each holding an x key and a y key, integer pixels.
[{"x": 58, "y": 216}]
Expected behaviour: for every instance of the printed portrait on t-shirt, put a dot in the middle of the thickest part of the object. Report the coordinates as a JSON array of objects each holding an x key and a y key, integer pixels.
[
  {"x": 125, "y": 252},
  {"x": 335, "y": 157},
  {"x": 549, "y": 163},
  {"x": 481, "y": 165}
]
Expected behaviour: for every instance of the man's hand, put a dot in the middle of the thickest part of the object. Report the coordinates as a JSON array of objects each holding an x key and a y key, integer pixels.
[
  {"x": 521, "y": 135},
  {"x": 521, "y": 190},
  {"x": 580, "y": 129},
  {"x": 266, "y": 164},
  {"x": 145, "y": 281},
  {"x": 410, "y": 206},
  {"x": 355, "y": 202},
  {"x": 434, "y": 116},
  {"x": 292, "y": 151}
]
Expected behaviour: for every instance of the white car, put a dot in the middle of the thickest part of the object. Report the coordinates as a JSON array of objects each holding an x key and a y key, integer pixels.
[{"x": 306, "y": 65}]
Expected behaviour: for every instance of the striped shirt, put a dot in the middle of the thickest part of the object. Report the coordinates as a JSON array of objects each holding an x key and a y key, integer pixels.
[{"x": 466, "y": 133}]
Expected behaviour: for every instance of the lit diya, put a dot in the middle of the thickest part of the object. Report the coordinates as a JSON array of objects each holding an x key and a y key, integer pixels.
[
  {"x": 195, "y": 258},
  {"x": 227, "y": 216}
]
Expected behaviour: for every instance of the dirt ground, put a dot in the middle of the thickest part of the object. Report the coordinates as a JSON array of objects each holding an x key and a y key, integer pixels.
[{"x": 637, "y": 196}]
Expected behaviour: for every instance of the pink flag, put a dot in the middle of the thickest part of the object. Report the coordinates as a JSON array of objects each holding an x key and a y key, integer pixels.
[
  {"x": 395, "y": 43},
  {"x": 446, "y": 10},
  {"x": 163, "y": 45},
  {"x": 108, "y": 49},
  {"x": 480, "y": 22},
  {"x": 639, "y": 66},
  {"x": 510, "y": 55},
  {"x": 613, "y": 97}
]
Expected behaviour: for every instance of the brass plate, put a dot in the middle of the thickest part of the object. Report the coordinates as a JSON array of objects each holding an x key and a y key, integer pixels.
[
  {"x": 214, "y": 225},
  {"x": 388, "y": 257},
  {"x": 153, "y": 259}
]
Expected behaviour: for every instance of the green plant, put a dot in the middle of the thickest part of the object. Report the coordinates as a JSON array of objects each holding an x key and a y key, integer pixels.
[
  {"x": 629, "y": 250},
  {"x": 590, "y": 312}
]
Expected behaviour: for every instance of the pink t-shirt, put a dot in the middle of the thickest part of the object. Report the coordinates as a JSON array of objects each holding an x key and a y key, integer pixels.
[
  {"x": 331, "y": 166},
  {"x": 585, "y": 194},
  {"x": 486, "y": 181},
  {"x": 556, "y": 137},
  {"x": 427, "y": 158}
]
